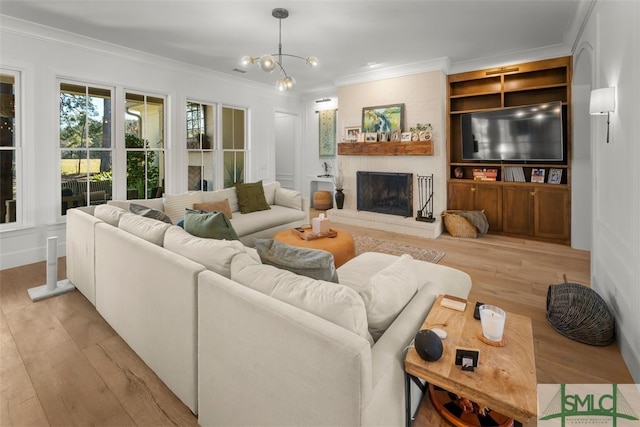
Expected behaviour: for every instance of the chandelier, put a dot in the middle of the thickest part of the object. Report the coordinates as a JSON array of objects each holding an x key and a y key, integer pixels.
[{"x": 268, "y": 62}]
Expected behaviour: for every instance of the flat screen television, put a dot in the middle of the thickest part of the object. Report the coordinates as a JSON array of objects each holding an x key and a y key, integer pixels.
[{"x": 527, "y": 133}]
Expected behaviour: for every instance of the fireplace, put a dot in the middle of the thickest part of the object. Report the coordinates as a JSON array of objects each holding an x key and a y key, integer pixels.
[{"x": 385, "y": 192}]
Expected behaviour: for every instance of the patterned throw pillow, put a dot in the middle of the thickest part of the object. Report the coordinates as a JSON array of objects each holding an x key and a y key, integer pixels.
[
  {"x": 251, "y": 197},
  {"x": 149, "y": 213}
]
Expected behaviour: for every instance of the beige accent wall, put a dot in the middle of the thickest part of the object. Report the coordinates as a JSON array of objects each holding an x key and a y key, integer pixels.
[{"x": 424, "y": 99}]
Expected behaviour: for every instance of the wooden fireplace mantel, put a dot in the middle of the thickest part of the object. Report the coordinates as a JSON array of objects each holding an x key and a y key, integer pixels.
[{"x": 413, "y": 148}]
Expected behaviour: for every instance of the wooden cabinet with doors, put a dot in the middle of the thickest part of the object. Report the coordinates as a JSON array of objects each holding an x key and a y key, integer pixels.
[
  {"x": 537, "y": 211},
  {"x": 513, "y": 204},
  {"x": 479, "y": 197}
]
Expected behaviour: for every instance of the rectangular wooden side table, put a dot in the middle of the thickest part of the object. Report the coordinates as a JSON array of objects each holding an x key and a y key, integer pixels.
[{"x": 505, "y": 379}]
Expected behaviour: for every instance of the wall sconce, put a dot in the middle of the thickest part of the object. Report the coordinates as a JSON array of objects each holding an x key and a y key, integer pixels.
[{"x": 603, "y": 101}]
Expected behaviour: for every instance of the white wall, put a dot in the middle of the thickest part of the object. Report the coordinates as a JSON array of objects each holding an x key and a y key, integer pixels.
[
  {"x": 424, "y": 98},
  {"x": 612, "y": 31},
  {"x": 43, "y": 55}
]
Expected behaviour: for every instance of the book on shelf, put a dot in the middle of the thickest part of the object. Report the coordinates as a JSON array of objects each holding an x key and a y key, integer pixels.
[
  {"x": 537, "y": 175},
  {"x": 485, "y": 174},
  {"x": 514, "y": 173},
  {"x": 555, "y": 176},
  {"x": 455, "y": 303}
]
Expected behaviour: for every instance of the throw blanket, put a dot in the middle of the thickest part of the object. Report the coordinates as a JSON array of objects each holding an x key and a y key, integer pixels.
[{"x": 478, "y": 219}]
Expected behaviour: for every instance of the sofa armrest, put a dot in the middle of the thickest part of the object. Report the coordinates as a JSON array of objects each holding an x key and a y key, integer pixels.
[
  {"x": 388, "y": 394},
  {"x": 80, "y": 250},
  {"x": 288, "y": 198},
  {"x": 301, "y": 369}
]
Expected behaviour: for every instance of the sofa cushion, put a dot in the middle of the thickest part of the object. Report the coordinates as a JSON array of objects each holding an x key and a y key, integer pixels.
[
  {"x": 219, "y": 206},
  {"x": 388, "y": 291},
  {"x": 212, "y": 225},
  {"x": 148, "y": 229},
  {"x": 251, "y": 197},
  {"x": 219, "y": 195},
  {"x": 312, "y": 263},
  {"x": 150, "y": 203},
  {"x": 254, "y": 222},
  {"x": 333, "y": 302},
  {"x": 175, "y": 205},
  {"x": 288, "y": 198},
  {"x": 149, "y": 212},
  {"x": 270, "y": 189},
  {"x": 109, "y": 214},
  {"x": 213, "y": 254}
]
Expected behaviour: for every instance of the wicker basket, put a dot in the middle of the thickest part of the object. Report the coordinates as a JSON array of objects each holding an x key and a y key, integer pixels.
[
  {"x": 458, "y": 226},
  {"x": 579, "y": 313}
]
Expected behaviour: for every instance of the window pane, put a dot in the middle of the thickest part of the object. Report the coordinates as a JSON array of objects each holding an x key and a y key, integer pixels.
[
  {"x": 233, "y": 168},
  {"x": 227, "y": 128},
  {"x": 8, "y": 185},
  {"x": 238, "y": 129},
  {"x": 144, "y": 174},
  {"x": 73, "y": 118}
]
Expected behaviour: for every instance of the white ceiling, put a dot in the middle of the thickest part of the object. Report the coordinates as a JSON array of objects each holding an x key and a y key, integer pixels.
[{"x": 344, "y": 35}]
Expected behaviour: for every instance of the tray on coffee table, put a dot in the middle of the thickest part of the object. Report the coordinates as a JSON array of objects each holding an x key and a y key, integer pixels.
[{"x": 305, "y": 233}]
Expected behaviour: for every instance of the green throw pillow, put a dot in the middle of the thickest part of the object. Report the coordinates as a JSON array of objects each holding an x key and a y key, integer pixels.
[
  {"x": 251, "y": 197},
  {"x": 313, "y": 263},
  {"x": 209, "y": 225}
]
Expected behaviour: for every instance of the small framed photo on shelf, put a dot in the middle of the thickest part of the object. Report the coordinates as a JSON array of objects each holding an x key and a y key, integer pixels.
[
  {"x": 406, "y": 137},
  {"x": 425, "y": 135},
  {"x": 537, "y": 175},
  {"x": 351, "y": 133},
  {"x": 395, "y": 135},
  {"x": 371, "y": 137},
  {"x": 555, "y": 176},
  {"x": 384, "y": 136},
  {"x": 360, "y": 137}
]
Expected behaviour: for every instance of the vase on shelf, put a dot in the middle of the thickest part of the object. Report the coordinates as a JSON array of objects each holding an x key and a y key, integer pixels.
[{"x": 339, "y": 198}]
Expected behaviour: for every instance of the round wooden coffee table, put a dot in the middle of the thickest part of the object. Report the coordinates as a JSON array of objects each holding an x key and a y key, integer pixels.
[{"x": 342, "y": 246}]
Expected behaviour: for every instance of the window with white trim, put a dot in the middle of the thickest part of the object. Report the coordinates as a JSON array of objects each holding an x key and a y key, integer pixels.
[
  {"x": 86, "y": 145},
  {"x": 10, "y": 147},
  {"x": 144, "y": 145}
]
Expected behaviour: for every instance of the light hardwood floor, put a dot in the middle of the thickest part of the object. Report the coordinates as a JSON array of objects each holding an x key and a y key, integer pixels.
[{"x": 61, "y": 364}]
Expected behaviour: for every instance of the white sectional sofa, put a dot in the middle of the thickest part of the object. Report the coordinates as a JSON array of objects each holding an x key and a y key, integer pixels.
[{"x": 201, "y": 314}]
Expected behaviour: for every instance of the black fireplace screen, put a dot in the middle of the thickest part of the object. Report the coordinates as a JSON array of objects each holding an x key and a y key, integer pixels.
[{"x": 385, "y": 192}]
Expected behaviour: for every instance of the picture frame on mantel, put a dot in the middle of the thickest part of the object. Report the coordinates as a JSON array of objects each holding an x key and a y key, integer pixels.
[
  {"x": 383, "y": 118},
  {"x": 351, "y": 133}
]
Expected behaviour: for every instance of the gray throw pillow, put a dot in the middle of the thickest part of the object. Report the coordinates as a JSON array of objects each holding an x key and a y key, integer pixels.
[
  {"x": 313, "y": 263},
  {"x": 149, "y": 213},
  {"x": 209, "y": 225}
]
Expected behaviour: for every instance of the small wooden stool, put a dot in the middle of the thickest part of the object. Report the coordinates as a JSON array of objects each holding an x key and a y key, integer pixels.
[{"x": 322, "y": 200}]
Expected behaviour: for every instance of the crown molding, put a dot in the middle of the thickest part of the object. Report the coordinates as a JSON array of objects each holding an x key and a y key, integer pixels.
[
  {"x": 438, "y": 64},
  {"x": 82, "y": 43}
]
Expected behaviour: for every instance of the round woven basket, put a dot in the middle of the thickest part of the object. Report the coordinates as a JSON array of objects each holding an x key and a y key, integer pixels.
[
  {"x": 579, "y": 313},
  {"x": 458, "y": 226},
  {"x": 322, "y": 200}
]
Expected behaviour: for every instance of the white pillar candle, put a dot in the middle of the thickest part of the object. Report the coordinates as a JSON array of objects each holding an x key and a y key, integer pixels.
[{"x": 492, "y": 319}]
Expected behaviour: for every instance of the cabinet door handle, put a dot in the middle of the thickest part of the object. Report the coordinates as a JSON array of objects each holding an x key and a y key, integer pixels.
[
  {"x": 473, "y": 188},
  {"x": 532, "y": 193}
]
